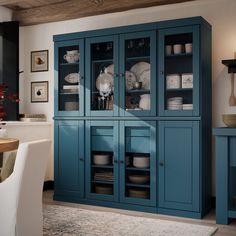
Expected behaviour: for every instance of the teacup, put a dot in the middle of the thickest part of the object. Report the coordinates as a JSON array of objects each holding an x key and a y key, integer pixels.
[
  {"x": 72, "y": 56},
  {"x": 177, "y": 48},
  {"x": 188, "y": 48}
]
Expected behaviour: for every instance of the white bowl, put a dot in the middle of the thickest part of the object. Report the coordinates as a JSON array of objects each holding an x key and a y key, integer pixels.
[
  {"x": 103, "y": 190},
  {"x": 99, "y": 159},
  {"x": 139, "y": 179},
  {"x": 138, "y": 193},
  {"x": 141, "y": 162}
]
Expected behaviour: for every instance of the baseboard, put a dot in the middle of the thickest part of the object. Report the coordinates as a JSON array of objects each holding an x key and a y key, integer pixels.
[{"x": 48, "y": 185}]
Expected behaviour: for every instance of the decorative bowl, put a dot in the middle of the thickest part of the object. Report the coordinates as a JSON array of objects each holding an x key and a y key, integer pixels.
[
  {"x": 229, "y": 120},
  {"x": 141, "y": 162},
  {"x": 103, "y": 190},
  {"x": 99, "y": 159},
  {"x": 138, "y": 193},
  {"x": 139, "y": 179}
]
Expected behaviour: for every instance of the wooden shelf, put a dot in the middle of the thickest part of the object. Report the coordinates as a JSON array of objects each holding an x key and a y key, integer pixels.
[
  {"x": 231, "y": 64},
  {"x": 103, "y": 182},
  {"x": 139, "y": 91},
  {"x": 137, "y": 185},
  {"x": 179, "y": 90},
  {"x": 69, "y": 64},
  {"x": 138, "y": 169},
  {"x": 179, "y": 55},
  {"x": 103, "y": 166}
]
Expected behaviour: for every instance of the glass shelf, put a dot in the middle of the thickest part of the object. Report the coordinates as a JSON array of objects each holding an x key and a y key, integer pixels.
[
  {"x": 179, "y": 90},
  {"x": 140, "y": 91},
  {"x": 103, "y": 181},
  {"x": 179, "y": 55}
]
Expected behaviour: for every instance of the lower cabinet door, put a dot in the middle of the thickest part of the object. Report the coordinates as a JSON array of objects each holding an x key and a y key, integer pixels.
[
  {"x": 178, "y": 165},
  {"x": 137, "y": 152},
  {"x": 102, "y": 180},
  {"x": 69, "y": 158}
]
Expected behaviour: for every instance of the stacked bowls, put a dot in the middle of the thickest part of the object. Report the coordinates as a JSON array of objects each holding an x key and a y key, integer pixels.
[{"x": 175, "y": 103}]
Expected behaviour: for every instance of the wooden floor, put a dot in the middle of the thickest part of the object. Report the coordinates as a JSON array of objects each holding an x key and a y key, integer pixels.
[{"x": 223, "y": 230}]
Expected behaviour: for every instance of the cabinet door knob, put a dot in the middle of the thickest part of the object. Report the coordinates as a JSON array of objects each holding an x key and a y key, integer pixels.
[
  {"x": 121, "y": 162},
  {"x": 162, "y": 72},
  {"x": 115, "y": 161},
  {"x": 81, "y": 77},
  {"x": 161, "y": 164},
  {"x": 81, "y": 159},
  {"x": 122, "y": 74}
]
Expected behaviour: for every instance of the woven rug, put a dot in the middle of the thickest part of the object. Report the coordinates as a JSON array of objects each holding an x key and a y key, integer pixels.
[{"x": 65, "y": 221}]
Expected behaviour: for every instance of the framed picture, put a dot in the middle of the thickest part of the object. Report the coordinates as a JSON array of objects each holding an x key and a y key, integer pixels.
[
  {"x": 39, "y": 91},
  {"x": 39, "y": 61}
]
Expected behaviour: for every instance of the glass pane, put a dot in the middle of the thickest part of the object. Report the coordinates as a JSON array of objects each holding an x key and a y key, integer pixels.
[
  {"x": 179, "y": 72},
  {"x": 137, "y": 162},
  {"x": 102, "y": 76},
  {"x": 102, "y": 170},
  {"x": 137, "y": 74},
  {"x": 69, "y": 78}
]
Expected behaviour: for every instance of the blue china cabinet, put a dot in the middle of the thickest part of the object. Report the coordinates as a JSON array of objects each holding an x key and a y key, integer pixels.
[{"x": 133, "y": 117}]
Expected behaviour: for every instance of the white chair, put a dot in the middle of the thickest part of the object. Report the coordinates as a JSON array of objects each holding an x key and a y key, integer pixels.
[{"x": 21, "y": 192}]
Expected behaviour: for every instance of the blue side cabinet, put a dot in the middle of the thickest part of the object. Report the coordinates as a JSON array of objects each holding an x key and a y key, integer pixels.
[
  {"x": 178, "y": 166},
  {"x": 225, "y": 174},
  {"x": 69, "y": 160}
]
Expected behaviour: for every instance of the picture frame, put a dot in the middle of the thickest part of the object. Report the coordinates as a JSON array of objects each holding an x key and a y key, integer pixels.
[
  {"x": 39, "y": 91},
  {"x": 39, "y": 61}
]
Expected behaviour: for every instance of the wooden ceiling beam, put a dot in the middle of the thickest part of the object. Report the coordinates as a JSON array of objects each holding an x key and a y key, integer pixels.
[{"x": 72, "y": 9}]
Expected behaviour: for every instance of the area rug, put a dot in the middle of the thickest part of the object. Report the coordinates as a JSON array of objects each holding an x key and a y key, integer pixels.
[{"x": 69, "y": 221}]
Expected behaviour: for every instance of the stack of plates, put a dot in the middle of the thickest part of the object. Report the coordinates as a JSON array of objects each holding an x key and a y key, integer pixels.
[
  {"x": 138, "y": 193},
  {"x": 105, "y": 175},
  {"x": 187, "y": 106},
  {"x": 175, "y": 103}
]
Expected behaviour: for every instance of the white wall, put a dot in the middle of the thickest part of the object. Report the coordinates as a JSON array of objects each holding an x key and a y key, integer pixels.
[
  {"x": 219, "y": 13},
  {"x": 5, "y": 14}
]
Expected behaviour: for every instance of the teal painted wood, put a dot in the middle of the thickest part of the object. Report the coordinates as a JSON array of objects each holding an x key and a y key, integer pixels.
[
  {"x": 136, "y": 125},
  {"x": 198, "y": 20},
  {"x": 178, "y": 165},
  {"x": 194, "y": 30},
  {"x": 88, "y": 77},
  {"x": 69, "y": 158},
  {"x": 57, "y": 46},
  {"x": 222, "y": 180},
  {"x": 153, "y": 45},
  {"x": 91, "y": 128}
]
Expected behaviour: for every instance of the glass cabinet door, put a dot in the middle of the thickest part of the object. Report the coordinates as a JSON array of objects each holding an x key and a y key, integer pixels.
[
  {"x": 101, "y": 72},
  {"x": 69, "y": 75},
  {"x": 179, "y": 71},
  {"x": 138, "y": 74},
  {"x": 102, "y": 160},
  {"x": 138, "y": 162}
]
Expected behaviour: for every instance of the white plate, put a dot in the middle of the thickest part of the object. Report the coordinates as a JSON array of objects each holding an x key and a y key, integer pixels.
[
  {"x": 145, "y": 79},
  {"x": 72, "y": 78},
  {"x": 139, "y": 67},
  {"x": 130, "y": 80},
  {"x": 110, "y": 69},
  {"x": 105, "y": 83}
]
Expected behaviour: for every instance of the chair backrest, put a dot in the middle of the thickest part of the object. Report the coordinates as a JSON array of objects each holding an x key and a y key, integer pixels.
[{"x": 29, "y": 170}]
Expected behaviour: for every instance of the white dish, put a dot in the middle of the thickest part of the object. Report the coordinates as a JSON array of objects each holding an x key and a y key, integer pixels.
[
  {"x": 144, "y": 102},
  {"x": 145, "y": 79},
  {"x": 139, "y": 68},
  {"x": 71, "y": 106},
  {"x": 139, "y": 179},
  {"x": 187, "y": 80},
  {"x": 130, "y": 80},
  {"x": 177, "y": 48},
  {"x": 141, "y": 162},
  {"x": 72, "y": 78},
  {"x": 110, "y": 69},
  {"x": 101, "y": 159},
  {"x": 172, "y": 81},
  {"x": 105, "y": 84}
]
